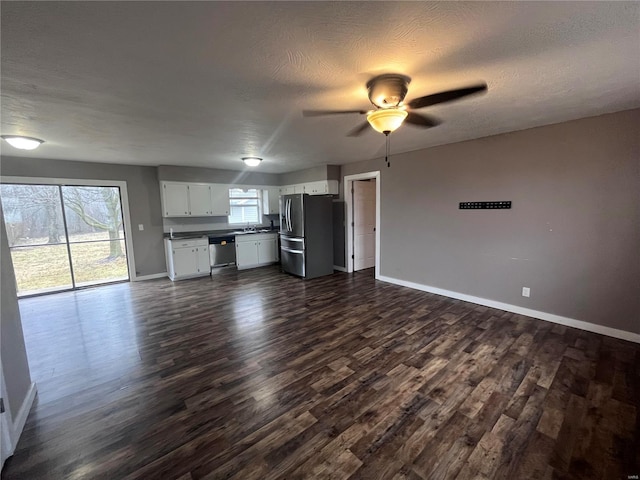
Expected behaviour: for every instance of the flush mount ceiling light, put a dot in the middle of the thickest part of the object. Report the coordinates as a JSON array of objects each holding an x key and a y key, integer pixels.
[
  {"x": 251, "y": 161},
  {"x": 23, "y": 143},
  {"x": 386, "y": 120}
]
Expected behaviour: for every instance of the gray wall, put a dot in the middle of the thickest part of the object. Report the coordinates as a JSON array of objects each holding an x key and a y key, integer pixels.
[
  {"x": 12, "y": 349},
  {"x": 144, "y": 199},
  {"x": 333, "y": 172},
  {"x": 301, "y": 176},
  {"x": 572, "y": 236},
  {"x": 214, "y": 175}
]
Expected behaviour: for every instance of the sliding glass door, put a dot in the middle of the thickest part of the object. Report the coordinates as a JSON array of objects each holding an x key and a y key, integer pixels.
[{"x": 64, "y": 236}]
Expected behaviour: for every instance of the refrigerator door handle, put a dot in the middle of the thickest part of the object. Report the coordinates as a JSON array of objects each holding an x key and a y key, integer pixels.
[
  {"x": 293, "y": 239},
  {"x": 286, "y": 213},
  {"x": 285, "y": 249},
  {"x": 289, "y": 215}
]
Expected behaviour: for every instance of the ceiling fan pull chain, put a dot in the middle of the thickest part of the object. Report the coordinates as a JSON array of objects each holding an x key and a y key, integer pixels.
[{"x": 386, "y": 157}]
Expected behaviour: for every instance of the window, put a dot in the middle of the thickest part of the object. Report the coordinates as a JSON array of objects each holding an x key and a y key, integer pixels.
[
  {"x": 63, "y": 237},
  {"x": 245, "y": 205}
]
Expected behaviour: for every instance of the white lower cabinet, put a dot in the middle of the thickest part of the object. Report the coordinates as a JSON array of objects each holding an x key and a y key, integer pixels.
[
  {"x": 187, "y": 258},
  {"x": 246, "y": 252},
  {"x": 268, "y": 250},
  {"x": 256, "y": 249}
]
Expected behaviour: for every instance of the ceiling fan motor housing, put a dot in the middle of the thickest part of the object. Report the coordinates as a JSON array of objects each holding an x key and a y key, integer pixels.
[{"x": 388, "y": 90}]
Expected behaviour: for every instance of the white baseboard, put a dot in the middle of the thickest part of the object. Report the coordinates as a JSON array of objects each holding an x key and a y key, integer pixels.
[
  {"x": 339, "y": 268},
  {"x": 549, "y": 317},
  {"x": 21, "y": 417},
  {"x": 153, "y": 276}
]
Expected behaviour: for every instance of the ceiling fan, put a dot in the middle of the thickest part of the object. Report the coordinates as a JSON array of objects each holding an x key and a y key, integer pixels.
[{"x": 386, "y": 93}]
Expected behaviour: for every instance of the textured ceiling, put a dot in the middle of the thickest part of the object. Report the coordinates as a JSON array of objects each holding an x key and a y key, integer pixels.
[{"x": 206, "y": 83}]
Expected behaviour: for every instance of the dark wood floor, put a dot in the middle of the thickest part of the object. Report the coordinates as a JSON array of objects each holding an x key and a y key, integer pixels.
[{"x": 259, "y": 375}]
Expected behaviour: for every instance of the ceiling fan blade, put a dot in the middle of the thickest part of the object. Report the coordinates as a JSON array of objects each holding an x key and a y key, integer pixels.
[
  {"x": 319, "y": 113},
  {"x": 359, "y": 130},
  {"x": 448, "y": 96},
  {"x": 425, "y": 121}
]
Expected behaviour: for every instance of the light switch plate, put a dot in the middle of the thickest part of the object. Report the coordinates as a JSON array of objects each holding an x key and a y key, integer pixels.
[
  {"x": 140, "y": 227},
  {"x": 526, "y": 291}
]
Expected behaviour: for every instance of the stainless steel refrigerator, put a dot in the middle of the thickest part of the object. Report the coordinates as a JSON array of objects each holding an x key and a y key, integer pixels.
[{"x": 306, "y": 235}]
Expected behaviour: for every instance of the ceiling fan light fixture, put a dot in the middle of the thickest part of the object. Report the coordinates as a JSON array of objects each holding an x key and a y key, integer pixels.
[
  {"x": 23, "y": 143},
  {"x": 386, "y": 120},
  {"x": 251, "y": 161}
]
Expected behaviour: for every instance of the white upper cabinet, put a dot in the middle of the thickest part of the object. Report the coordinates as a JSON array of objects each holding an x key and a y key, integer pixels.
[
  {"x": 271, "y": 200},
  {"x": 332, "y": 187},
  {"x": 180, "y": 199},
  {"x": 317, "y": 188},
  {"x": 199, "y": 200},
  {"x": 220, "y": 200},
  {"x": 184, "y": 199},
  {"x": 321, "y": 187},
  {"x": 175, "y": 199}
]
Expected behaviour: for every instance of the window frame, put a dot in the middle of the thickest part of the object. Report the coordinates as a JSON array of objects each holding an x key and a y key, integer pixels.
[{"x": 258, "y": 205}]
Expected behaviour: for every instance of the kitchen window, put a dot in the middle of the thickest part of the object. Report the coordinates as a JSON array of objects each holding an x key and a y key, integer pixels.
[{"x": 245, "y": 206}]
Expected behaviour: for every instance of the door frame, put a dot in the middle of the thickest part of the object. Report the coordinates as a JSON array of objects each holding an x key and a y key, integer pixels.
[
  {"x": 348, "y": 229},
  {"x": 124, "y": 203}
]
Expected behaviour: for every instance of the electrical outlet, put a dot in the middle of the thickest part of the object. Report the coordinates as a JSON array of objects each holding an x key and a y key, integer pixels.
[
  {"x": 140, "y": 227},
  {"x": 526, "y": 291}
]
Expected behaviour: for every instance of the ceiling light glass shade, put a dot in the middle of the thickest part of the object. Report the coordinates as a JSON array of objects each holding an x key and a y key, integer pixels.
[
  {"x": 386, "y": 119},
  {"x": 23, "y": 143},
  {"x": 251, "y": 161}
]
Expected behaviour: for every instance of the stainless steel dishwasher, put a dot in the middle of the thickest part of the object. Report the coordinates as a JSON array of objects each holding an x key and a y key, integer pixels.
[{"x": 222, "y": 251}]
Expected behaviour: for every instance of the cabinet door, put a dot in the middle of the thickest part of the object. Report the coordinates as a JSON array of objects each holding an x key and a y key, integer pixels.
[
  {"x": 246, "y": 254},
  {"x": 220, "y": 200},
  {"x": 267, "y": 251},
  {"x": 199, "y": 200},
  {"x": 288, "y": 190},
  {"x": 272, "y": 203},
  {"x": 175, "y": 200},
  {"x": 298, "y": 188},
  {"x": 184, "y": 261},
  {"x": 317, "y": 188},
  {"x": 202, "y": 259}
]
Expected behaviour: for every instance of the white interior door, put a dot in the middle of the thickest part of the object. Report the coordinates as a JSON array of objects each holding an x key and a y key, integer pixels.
[{"x": 364, "y": 224}]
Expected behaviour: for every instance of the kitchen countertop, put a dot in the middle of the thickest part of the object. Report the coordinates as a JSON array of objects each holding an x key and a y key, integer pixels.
[{"x": 212, "y": 233}]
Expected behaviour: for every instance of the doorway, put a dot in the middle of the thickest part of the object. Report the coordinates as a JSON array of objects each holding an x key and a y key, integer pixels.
[
  {"x": 362, "y": 228},
  {"x": 64, "y": 237},
  {"x": 364, "y": 224}
]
